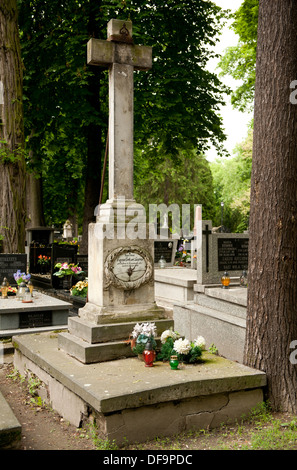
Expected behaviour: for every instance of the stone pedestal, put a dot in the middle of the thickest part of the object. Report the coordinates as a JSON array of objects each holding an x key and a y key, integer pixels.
[{"x": 121, "y": 289}]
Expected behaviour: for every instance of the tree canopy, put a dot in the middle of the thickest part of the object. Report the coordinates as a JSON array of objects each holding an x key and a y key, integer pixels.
[
  {"x": 65, "y": 101},
  {"x": 232, "y": 184},
  {"x": 240, "y": 61}
]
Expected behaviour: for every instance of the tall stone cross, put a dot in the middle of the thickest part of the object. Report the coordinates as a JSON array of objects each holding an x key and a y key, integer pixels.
[{"x": 122, "y": 57}]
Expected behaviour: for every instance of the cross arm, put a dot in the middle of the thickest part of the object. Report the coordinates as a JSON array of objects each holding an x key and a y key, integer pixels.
[{"x": 104, "y": 53}]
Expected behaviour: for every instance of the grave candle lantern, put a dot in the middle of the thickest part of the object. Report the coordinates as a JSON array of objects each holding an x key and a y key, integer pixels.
[
  {"x": 27, "y": 296},
  {"x": 148, "y": 354},
  {"x": 4, "y": 289},
  {"x": 30, "y": 285},
  {"x": 225, "y": 280},
  {"x": 173, "y": 362},
  {"x": 21, "y": 291}
]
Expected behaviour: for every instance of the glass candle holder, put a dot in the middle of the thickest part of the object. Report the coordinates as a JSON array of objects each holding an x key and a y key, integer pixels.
[
  {"x": 174, "y": 362},
  {"x": 225, "y": 280}
]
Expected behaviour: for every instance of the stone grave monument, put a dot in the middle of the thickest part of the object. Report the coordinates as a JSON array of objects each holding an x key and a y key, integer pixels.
[
  {"x": 218, "y": 314},
  {"x": 120, "y": 258},
  {"x": 219, "y": 252}
]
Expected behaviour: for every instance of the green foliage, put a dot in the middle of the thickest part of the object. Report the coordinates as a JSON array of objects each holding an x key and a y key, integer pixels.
[
  {"x": 232, "y": 182},
  {"x": 176, "y": 103},
  {"x": 8, "y": 156},
  {"x": 185, "y": 179},
  {"x": 213, "y": 349},
  {"x": 240, "y": 61},
  {"x": 193, "y": 357},
  {"x": 166, "y": 350},
  {"x": 141, "y": 343}
]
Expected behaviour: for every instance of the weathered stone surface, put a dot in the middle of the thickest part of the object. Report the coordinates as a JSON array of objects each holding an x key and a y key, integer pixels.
[
  {"x": 216, "y": 317},
  {"x": 124, "y": 394},
  {"x": 10, "y": 428}
]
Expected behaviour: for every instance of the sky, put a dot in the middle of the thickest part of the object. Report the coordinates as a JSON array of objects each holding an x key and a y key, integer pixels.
[{"x": 235, "y": 123}]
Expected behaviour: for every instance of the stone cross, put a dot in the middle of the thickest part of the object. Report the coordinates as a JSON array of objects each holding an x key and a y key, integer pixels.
[{"x": 122, "y": 57}]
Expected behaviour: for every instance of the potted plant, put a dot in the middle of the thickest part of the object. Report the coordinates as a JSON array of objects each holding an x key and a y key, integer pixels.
[
  {"x": 66, "y": 271},
  {"x": 141, "y": 335},
  {"x": 79, "y": 292},
  {"x": 44, "y": 262}
]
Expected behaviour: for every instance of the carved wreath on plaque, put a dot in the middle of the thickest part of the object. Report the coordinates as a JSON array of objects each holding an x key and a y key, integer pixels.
[{"x": 128, "y": 268}]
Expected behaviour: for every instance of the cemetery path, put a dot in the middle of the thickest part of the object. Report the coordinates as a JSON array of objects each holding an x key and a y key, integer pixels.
[{"x": 42, "y": 428}]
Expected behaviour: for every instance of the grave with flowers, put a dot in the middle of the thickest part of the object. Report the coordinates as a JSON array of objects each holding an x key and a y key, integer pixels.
[
  {"x": 92, "y": 365},
  {"x": 23, "y": 308},
  {"x": 170, "y": 347}
]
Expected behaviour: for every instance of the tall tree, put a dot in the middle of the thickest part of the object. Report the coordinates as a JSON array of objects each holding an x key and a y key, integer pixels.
[
  {"x": 232, "y": 185},
  {"x": 272, "y": 293},
  {"x": 12, "y": 162},
  {"x": 176, "y": 104},
  {"x": 240, "y": 61}
]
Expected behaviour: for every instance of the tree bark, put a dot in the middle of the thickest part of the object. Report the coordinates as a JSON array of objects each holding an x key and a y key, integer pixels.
[
  {"x": 272, "y": 290},
  {"x": 12, "y": 163},
  {"x": 35, "y": 216}
]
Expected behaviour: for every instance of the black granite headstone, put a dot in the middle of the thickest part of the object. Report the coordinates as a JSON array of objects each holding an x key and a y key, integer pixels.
[
  {"x": 82, "y": 261},
  {"x": 62, "y": 254},
  {"x": 10, "y": 263},
  {"x": 163, "y": 248},
  {"x": 233, "y": 254}
]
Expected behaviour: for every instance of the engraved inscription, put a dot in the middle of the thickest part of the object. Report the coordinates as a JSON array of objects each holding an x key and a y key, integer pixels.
[
  {"x": 233, "y": 254},
  {"x": 129, "y": 267}
]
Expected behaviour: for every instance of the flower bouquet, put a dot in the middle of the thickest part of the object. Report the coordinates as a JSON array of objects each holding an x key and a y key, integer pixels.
[
  {"x": 185, "y": 350},
  {"x": 20, "y": 277},
  {"x": 182, "y": 256},
  {"x": 11, "y": 291},
  {"x": 66, "y": 269},
  {"x": 44, "y": 263},
  {"x": 44, "y": 260},
  {"x": 141, "y": 334},
  {"x": 80, "y": 289}
]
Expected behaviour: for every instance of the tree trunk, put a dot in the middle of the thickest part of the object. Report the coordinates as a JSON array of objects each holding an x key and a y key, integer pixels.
[
  {"x": 34, "y": 202},
  {"x": 12, "y": 166},
  {"x": 272, "y": 291}
]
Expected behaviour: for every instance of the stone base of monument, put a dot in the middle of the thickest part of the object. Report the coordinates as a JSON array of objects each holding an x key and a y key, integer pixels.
[
  {"x": 133, "y": 403},
  {"x": 219, "y": 315},
  {"x": 90, "y": 343}
]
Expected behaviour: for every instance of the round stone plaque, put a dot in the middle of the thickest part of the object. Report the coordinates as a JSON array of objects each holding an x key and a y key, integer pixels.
[{"x": 128, "y": 267}]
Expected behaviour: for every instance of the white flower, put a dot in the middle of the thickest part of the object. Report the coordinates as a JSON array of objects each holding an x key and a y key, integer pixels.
[
  {"x": 200, "y": 341},
  {"x": 147, "y": 329},
  {"x": 137, "y": 330},
  {"x": 168, "y": 334},
  {"x": 182, "y": 346}
]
